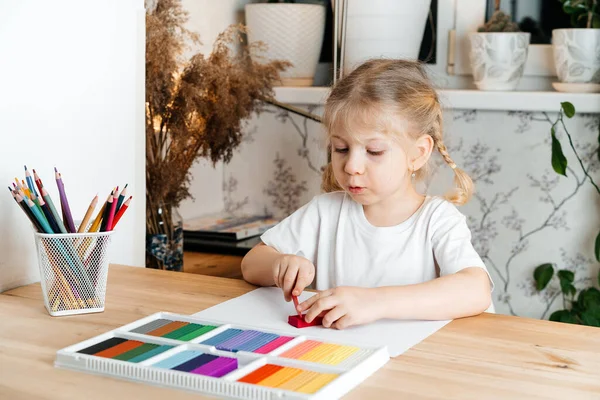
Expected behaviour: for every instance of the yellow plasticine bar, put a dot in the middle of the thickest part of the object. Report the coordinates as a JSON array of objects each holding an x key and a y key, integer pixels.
[
  {"x": 317, "y": 383},
  {"x": 300, "y": 349},
  {"x": 339, "y": 355},
  {"x": 319, "y": 352},
  {"x": 280, "y": 377},
  {"x": 298, "y": 381}
]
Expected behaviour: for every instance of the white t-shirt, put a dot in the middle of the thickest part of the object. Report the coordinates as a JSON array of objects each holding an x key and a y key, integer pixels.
[{"x": 333, "y": 232}]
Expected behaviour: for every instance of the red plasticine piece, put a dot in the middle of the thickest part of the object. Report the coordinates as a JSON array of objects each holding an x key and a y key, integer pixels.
[
  {"x": 299, "y": 322},
  {"x": 295, "y": 298}
]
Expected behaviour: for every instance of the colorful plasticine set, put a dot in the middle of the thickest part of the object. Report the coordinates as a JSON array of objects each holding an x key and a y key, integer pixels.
[{"x": 225, "y": 360}]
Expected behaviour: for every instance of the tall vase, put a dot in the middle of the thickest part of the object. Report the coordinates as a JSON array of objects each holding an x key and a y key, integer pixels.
[{"x": 164, "y": 237}]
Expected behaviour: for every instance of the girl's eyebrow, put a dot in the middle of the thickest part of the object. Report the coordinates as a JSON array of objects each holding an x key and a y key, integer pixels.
[{"x": 368, "y": 139}]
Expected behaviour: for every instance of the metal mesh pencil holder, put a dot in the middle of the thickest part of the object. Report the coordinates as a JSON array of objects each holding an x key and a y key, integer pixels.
[{"x": 73, "y": 271}]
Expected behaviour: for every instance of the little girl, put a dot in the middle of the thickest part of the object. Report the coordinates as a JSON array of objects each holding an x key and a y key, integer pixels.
[{"x": 375, "y": 246}]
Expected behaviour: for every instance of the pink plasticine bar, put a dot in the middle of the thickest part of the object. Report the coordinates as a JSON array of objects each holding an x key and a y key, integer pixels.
[{"x": 269, "y": 347}]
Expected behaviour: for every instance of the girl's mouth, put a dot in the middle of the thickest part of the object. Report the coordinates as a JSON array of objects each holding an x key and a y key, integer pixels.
[{"x": 356, "y": 189}]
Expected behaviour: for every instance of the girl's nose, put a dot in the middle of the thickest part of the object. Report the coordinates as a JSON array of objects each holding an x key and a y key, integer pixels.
[{"x": 355, "y": 164}]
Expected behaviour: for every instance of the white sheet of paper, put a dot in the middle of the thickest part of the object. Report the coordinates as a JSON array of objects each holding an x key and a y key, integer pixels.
[{"x": 265, "y": 308}]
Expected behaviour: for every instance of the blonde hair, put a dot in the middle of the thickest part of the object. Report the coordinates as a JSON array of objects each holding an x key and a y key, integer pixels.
[{"x": 387, "y": 89}]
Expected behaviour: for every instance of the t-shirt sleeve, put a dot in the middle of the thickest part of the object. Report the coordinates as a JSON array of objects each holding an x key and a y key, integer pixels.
[
  {"x": 297, "y": 234},
  {"x": 451, "y": 240}
]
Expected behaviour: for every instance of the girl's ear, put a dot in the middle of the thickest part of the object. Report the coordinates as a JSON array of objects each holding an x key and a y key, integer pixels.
[{"x": 423, "y": 148}]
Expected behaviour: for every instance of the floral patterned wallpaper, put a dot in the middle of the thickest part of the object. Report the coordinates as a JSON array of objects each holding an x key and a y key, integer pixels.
[{"x": 522, "y": 215}]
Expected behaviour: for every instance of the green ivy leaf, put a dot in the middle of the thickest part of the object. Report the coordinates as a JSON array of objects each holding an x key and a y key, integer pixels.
[
  {"x": 590, "y": 298},
  {"x": 588, "y": 319},
  {"x": 567, "y": 288},
  {"x": 542, "y": 275},
  {"x": 563, "y": 316},
  {"x": 559, "y": 161},
  {"x": 565, "y": 274},
  {"x": 568, "y": 109},
  {"x": 597, "y": 251}
]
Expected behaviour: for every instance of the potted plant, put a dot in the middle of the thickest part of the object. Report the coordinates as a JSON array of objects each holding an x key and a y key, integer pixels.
[
  {"x": 498, "y": 53},
  {"x": 577, "y": 50},
  {"x": 583, "y": 307},
  {"x": 291, "y": 30},
  {"x": 382, "y": 28}
]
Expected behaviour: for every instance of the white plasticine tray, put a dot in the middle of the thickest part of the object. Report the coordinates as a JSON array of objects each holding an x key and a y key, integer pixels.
[{"x": 350, "y": 372}]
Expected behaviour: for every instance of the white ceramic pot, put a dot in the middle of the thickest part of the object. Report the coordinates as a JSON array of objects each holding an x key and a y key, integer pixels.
[
  {"x": 498, "y": 59},
  {"x": 292, "y": 32},
  {"x": 577, "y": 55},
  {"x": 383, "y": 29}
]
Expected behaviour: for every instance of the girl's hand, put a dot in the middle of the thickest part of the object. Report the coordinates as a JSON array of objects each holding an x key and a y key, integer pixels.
[
  {"x": 346, "y": 306},
  {"x": 292, "y": 274}
]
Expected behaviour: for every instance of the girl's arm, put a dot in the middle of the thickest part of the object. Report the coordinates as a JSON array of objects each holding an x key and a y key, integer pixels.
[
  {"x": 257, "y": 265},
  {"x": 265, "y": 266},
  {"x": 462, "y": 294}
]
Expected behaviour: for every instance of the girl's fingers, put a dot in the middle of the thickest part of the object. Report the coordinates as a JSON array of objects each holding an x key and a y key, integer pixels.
[
  {"x": 304, "y": 279},
  {"x": 330, "y": 318},
  {"x": 289, "y": 280},
  {"x": 306, "y": 304},
  {"x": 343, "y": 323},
  {"x": 325, "y": 303}
]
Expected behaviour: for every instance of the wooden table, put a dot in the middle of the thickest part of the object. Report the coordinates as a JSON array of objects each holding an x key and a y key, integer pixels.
[{"x": 488, "y": 356}]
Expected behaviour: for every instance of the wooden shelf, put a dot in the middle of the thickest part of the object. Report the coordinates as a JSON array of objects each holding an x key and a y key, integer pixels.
[
  {"x": 225, "y": 266},
  {"x": 469, "y": 99}
]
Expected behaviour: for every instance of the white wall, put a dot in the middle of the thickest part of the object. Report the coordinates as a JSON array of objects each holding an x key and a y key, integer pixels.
[
  {"x": 208, "y": 18},
  {"x": 71, "y": 95}
]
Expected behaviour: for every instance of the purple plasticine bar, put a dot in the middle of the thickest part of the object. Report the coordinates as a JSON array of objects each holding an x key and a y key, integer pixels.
[
  {"x": 217, "y": 368},
  {"x": 257, "y": 342},
  {"x": 235, "y": 342},
  {"x": 222, "y": 337}
]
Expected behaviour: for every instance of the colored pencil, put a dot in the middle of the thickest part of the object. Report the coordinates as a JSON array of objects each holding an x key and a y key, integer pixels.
[
  {"x": 18, "y": 184},
  {"x": 45, "y": 227},
  {"x": 98, "y": 219},
  {"x": 38, "y": 181},
  {"x": 25, "y": 189},
  {"x": 121, "y": 198},
  {"x": 26, "y": 210},
  {"x": 64, "y": 202},
  {"x": 48, "y": 214},
  {"x": 29, "y": 181},
  {"x": 109, "y": 207},
  {"x": 111, "y": 214},
  {"x": 121, "y": 212},
  {"x": 37, "y": 203},
  {"x": 50, "y": 204},
  {"x": 88, "y": 215}
]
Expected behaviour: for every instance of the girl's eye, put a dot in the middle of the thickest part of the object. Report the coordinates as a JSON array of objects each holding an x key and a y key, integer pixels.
[
  {"x": 375, "y": 153},
  {"x": 341, "y": 150}
]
